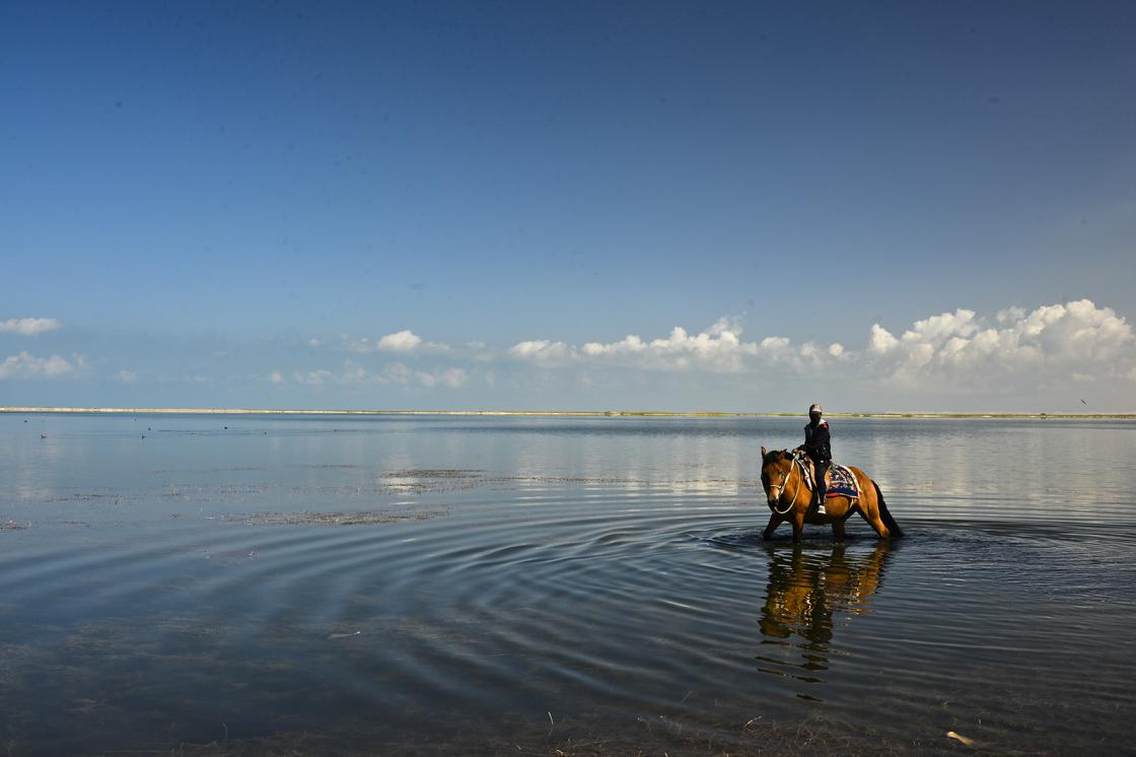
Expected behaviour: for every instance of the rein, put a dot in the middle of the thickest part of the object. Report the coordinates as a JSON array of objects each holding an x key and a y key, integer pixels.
[{"x": 781, "y": 488}]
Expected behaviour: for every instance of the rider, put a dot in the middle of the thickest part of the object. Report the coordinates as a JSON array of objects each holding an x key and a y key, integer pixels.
[{"x": 817, "y": 447}]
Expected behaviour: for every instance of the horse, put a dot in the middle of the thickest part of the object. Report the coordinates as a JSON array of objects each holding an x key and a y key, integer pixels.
[{"x": 790, "y": 498}]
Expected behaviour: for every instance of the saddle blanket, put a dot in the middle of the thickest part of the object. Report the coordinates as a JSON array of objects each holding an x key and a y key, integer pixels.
[{"x": 841, "y": 482}]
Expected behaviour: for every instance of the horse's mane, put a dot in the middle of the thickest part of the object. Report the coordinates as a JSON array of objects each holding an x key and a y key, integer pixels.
[{"x": 776, "y": 454}]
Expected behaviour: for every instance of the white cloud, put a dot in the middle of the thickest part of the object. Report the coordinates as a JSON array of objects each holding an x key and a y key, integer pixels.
[
  {"x": 1052, "y": 341},
  {"x": 405, "y": 341},
  {"x": 939, "y": 327},
  {"x": 881, "y": 341},
  {"x": 24, "y": 365},
  {"x": 774, "y": 343},
  {"x": 400, "y": 341},
  {"x": 631, "y": 344},
  {"x": 276, "y": 377},
  {"x": 718, "y": 348},
  {"x": 542, "y": 350},
  {"x": 126, "y": 377},
  {"x": 29, "y": 326}
]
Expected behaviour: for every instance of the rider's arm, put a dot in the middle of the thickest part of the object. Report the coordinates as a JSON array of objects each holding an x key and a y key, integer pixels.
[{"x": 821, "y": 439}]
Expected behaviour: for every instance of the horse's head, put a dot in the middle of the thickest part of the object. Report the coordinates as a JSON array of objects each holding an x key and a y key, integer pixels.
[{"x": 776, "y": 465}]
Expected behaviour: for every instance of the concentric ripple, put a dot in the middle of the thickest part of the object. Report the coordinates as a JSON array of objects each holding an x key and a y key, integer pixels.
[{"x": 544, "y": 606}]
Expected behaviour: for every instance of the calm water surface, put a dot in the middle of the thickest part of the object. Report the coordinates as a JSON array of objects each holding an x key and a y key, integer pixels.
[{"x": 444, "y": 585}]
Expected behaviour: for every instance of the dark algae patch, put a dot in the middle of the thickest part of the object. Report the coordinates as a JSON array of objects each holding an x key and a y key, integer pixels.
[
  {"x": 331, "y": 519},
  {"x": 435, "y": 473},
  {"x": 429, "y": 480}
]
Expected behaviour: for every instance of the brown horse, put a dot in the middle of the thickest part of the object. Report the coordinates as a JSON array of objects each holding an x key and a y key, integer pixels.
[{"x": 790, "y": 498}]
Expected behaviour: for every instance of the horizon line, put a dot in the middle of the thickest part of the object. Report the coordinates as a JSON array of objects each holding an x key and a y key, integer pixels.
[{"x": 570, "y": 413}]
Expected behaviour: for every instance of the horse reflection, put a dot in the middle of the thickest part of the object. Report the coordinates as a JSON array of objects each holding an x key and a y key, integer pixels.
[{"x": 806, "y": 590}]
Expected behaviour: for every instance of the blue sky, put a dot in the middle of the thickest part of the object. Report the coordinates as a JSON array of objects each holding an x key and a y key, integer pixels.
[{"x": 216, "y": 204}]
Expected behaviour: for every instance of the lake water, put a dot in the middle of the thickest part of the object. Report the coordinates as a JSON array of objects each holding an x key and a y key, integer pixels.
[{"x": 387, "y": 585}]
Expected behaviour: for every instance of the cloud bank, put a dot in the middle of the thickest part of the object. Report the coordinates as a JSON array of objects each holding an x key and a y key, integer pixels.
[
  {"x": 950, "y": 359},
  {"x": 352, "y": 374},
  {"x": 29, "y": 326},
  {"x": 958, "y": 351},
  {"x": 25, "y": 366},
  {"x": 1076, "y": 339},
  {"x": 719, "y": 348}
]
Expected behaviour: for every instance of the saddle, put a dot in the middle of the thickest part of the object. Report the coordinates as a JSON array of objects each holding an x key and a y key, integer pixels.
[{"x": 840, "y": 480}]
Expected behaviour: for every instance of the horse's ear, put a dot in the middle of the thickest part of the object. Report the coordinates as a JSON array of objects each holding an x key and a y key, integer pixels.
[
  {"x": 786, "y": 455},
  {"x": 764, "y": 452}
]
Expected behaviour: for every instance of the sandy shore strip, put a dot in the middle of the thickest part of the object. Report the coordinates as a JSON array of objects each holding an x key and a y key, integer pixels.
[{"x": 549, "y": 413}]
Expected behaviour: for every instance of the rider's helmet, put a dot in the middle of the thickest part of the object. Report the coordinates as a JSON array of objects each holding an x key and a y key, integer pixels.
[{"x": 815, "y": 410}]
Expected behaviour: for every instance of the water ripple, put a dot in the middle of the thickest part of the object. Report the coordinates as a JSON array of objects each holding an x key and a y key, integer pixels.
[{"x": 631, "y": 599}]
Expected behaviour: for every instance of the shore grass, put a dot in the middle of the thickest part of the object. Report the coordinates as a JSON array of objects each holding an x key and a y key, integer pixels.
[{"x": 552, "y": 413}]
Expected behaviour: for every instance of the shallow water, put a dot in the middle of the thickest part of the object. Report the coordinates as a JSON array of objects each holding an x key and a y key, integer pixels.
[{"x": 528, "y": 585}]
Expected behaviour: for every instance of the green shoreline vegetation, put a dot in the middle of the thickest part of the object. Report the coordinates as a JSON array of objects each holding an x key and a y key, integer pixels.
[{"x": 549, "y": 413}]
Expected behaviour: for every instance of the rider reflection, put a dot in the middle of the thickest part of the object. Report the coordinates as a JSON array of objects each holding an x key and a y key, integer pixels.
[{"x": 805, "y": 590}]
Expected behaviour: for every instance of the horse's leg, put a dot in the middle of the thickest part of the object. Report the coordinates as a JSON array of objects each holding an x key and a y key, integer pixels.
[
  {"x": 869, "y": 505},
  {"x": 878, "y": 526},
  {"x": 838, "y": 530},
  {"x": 798, "y": 524},
  {"x": 885, "y": 514},
  {"x": 871, "y": 513},
  {"x": 774, "y": 522}
]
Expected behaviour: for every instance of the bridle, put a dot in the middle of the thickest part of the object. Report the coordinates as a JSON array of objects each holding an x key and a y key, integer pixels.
[{"x": 793, "y": 463}]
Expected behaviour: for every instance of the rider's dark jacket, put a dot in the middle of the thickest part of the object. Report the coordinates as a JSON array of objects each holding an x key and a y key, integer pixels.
[{"x": 817, "y": 442}]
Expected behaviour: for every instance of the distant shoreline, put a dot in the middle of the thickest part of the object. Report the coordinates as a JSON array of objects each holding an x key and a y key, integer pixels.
[{"x": 546, "y": 413}]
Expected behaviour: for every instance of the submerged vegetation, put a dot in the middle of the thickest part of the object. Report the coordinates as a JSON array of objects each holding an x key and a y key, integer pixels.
[{"x": 330, "y": 519}]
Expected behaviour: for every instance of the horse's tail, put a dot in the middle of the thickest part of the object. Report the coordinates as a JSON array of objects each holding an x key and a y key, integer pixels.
[{"x": 885, "y": 514}]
